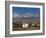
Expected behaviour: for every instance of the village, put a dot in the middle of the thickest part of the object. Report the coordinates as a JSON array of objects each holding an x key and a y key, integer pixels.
[{"x": 26, "y": 26}]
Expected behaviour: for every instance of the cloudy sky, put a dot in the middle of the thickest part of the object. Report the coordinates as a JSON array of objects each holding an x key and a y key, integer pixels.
[{"x": 25, "y": 12}]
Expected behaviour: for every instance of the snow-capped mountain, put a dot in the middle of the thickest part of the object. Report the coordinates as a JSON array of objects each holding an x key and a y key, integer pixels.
[{"x": 28, "y": 15}]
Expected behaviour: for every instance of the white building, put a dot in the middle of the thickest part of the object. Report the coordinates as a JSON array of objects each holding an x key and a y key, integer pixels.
[{"x": 25, "y": 25}]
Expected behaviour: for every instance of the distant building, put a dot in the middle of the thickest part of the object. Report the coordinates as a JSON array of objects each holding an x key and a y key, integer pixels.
[{"x": 25, "y": 25}]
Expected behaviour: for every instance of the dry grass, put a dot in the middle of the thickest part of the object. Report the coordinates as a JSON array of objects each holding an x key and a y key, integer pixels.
[{"x": 18, "y": 26}]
